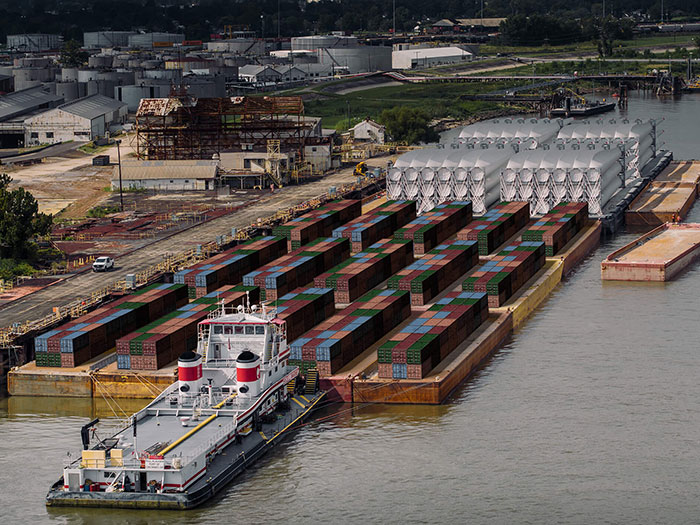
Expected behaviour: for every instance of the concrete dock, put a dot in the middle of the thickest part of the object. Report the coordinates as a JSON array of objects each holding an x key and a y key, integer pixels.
[
  {"x": 672, "y": 193},
  {"x": 659, "y": 255}
]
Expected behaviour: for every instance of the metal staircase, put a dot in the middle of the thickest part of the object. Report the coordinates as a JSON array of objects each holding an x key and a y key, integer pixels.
[{"x": 311, "y": 381}]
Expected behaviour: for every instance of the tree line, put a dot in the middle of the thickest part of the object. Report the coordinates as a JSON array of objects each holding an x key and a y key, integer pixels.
[{"x": 198, "y": 20}]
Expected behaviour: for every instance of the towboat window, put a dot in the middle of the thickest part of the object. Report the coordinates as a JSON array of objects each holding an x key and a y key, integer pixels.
[
  {"x": 260, "y": 330},
  {"x": 218, "y": 329},
  {"x": 239, "y": 329},
  {"x": 227, "y": 329},
  {"x": 249, "y": 330}
]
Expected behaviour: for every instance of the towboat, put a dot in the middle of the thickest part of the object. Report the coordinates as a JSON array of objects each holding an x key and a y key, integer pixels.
[{"x": 235, "y": 398}]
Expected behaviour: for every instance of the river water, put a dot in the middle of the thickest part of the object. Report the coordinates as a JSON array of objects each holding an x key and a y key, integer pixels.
[{"x": 590, "y": 413}]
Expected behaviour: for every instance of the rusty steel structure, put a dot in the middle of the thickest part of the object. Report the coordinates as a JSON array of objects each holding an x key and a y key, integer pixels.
[{"x": 186, "y": 127}]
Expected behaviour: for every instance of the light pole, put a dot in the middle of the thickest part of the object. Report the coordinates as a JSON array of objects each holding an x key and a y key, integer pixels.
[
  {"x": 119, "y": 161},
  {"x": 394, "y": 16},
  {"x": 278, "y": 20}
]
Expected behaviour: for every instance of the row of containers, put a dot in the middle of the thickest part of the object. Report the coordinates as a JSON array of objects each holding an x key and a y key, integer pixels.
[
  {"x": 559, "y": 226},
  {"x": 497, "y": 225},
  {"x": 96, "y": 332},
  {"x": 422, "y": 344},
  {"x": 319, "y": 222},
  {"x": 298, "y": 268},
  {"x": 435, "y": 226},
  {"x": 379, "y": 223},
  {"x": 435, "y": 271},
  {"x": 365, "y": 270},
  {"x": 337, "y": 341},
  {"x": 502, "y": 275},
  {"x": 230, "y": 266},
  {"x": 160, "y": 342}
]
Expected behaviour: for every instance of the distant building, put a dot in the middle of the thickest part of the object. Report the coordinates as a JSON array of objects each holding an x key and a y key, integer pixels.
[
  {"x": 34, "y": 43},
  {"x": 16, "y": 107},
  {"x": 259, "y": 74},
  {"x": 429, "y": 57},
  {"x": 483, "y": 24},
  {"x": 100, "y": 39},
  {"x": 167, "y": 175},
  {"x": 155, "y": 40},
  {"x": 81, "y": 120},
  {"x": 370, "y": 131}
]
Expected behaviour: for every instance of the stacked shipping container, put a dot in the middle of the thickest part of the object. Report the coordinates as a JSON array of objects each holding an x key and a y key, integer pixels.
[
  {"x": 559, "y": 226},
  {"x": 91, "y": 334},
  {"x": 338, "y": 340},
  {"x": 497, "y": 225},
  {"x": 230, "y": 266},
  {"x": 507, "y": 271},
  {"x": 298, "y": 268},
  {"x": 377, "y": 224},
  {"x": 303, "y": 309},
  {"x": 422, "y": 344},
  {"x": 433, "y": 227},
  {"x": 318, "y": 223},
  {"x": 165, "y": 339},
  {"x": 365, "y": 270},
  {"x": 436, "y": 270}
]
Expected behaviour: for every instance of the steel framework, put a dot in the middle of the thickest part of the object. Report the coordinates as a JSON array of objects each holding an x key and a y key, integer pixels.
[{"x": 185, "y": 127}]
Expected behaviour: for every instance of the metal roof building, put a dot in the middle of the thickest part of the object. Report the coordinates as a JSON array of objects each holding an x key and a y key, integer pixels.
[
  {"x": 167, "y": 175},
  {"x": 81, "y": 120},
  {"x": 18, "y": 106}
]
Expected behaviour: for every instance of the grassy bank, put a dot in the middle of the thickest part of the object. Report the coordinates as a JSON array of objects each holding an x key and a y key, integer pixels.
[{"x": 438, "y": 100}]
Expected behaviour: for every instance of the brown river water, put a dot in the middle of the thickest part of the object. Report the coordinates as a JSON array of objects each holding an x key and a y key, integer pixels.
[{"x": 590, "y": 413}]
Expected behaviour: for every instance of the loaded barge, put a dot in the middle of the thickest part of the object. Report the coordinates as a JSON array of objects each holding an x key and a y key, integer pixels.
[{"x": 235, "y": 398}]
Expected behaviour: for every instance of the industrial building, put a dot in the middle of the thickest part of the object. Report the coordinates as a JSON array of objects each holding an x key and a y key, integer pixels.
[
  {"x": 155, "y": 40},
  {"x": 428, "y": 57},
  {"x": 171, "y": 175},
  {"x": 100, "y": 39},
  {"x": 81, "y": 120},
  {"x": 34, "y": 43},
  {"x": 18, "y": 106}
]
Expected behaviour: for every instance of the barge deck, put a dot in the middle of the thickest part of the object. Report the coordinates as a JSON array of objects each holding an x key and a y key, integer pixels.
[
  {"x": 660, "y": 255},
  {"x": 359, "y": 382}
]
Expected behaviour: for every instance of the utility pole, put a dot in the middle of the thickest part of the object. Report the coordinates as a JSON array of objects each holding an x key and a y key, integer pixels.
[
  {"x": 482, "y": 15},
  {"x": 278, "y": 20},
  {"x": 121, "y": 194},
  {"x": 348, "y": 105},
  {"x": 394, "y": 17}
]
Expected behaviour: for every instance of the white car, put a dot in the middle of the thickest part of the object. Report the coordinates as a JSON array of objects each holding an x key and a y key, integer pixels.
[{"x": 102, "y": 264}]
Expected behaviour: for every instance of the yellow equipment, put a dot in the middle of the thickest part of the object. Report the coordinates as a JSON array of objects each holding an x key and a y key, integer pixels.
[{"x": 360, "y": 170}]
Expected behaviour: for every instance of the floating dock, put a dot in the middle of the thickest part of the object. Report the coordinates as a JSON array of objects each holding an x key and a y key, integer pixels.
[
  {"x": 659, "y": 255},
  {"x": 359, "y": 380},
  {"x": 670, "y": 195}
]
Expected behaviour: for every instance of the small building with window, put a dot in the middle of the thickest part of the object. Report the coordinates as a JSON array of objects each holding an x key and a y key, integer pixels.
[
  {"x": 81, "y": 120},
  {"x": 167, "y": 175}
]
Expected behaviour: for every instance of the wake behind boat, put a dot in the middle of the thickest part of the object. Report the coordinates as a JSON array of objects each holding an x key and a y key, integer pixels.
[{"x": 234, "y": 399}]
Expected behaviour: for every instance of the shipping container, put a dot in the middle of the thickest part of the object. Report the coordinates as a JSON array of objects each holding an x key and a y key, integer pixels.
[
  {"x": 437, "y": 225},
  {"x": 341, "y": 338},
  {"x": 303, "y": 309},
  {"x": 559, "y": 226},
  {"x": 96, "y": 332},
  {"x": 377, "y": 224},
  {"x": 429, "y": 338},
  {"x": 160, "y": 342},
  {"x": 497, "y": 225},
  {"x": 319, "y": 222},
  {"x": 298, "y": 268},
  {"x": 507, "y": 271},
  {"x": 230, "y": 266},
  {"x": 436, "y": 270},
  {"x": 365, "y": 270}
]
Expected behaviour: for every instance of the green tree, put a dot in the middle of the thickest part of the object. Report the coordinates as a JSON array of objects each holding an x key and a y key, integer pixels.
[
  {"x": 409, "y": 125},
  {"x": 20, "y": 220},
  {"x": 72, "y": 55}
]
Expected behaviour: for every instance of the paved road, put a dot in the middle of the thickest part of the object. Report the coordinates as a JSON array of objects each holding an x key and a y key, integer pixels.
[
  {"x": 41, "y": 303},
  {"x": 51, "y": 151}
]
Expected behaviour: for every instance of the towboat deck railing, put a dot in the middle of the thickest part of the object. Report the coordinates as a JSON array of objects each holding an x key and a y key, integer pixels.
[{"x": 217, "y": 439}]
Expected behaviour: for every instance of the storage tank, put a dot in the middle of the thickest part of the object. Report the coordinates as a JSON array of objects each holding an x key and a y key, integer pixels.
[
  {"x": 69, "y": 90},
  {"x": 356, "y": 59},
  {"x": 323, "y": 41},
  {"x": 98, "y": 39},
  {"x": 69, "y": 74},
  {"x": 100, "y": 61},
  {"x": 147, "y": 40},
  {"x": 85, "y": 75}
]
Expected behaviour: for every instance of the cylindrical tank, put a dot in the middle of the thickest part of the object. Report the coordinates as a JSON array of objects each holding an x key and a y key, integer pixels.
[
  {"x": 67, "y": 90},
  {"x": 189, "y": 373},
  {"x": 248, "y": 374}
]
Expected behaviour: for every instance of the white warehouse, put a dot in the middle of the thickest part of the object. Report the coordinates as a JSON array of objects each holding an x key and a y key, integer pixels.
[
  {"x": 81, "y": 120},
  {"x": 429, "y": 57},
  {"x": 167, "y": 175}
]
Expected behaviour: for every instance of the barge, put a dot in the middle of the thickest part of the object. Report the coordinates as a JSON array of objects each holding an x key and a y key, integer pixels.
[
  {"x": 235, "y": 398},
  {"x": 660, "y": 255}
]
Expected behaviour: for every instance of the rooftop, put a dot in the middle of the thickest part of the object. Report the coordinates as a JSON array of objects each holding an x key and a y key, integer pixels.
[
  {"x": 26, "y": 100},
  {"x": 167, "y": 169},
  {"x": 92, "y": 107}
]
